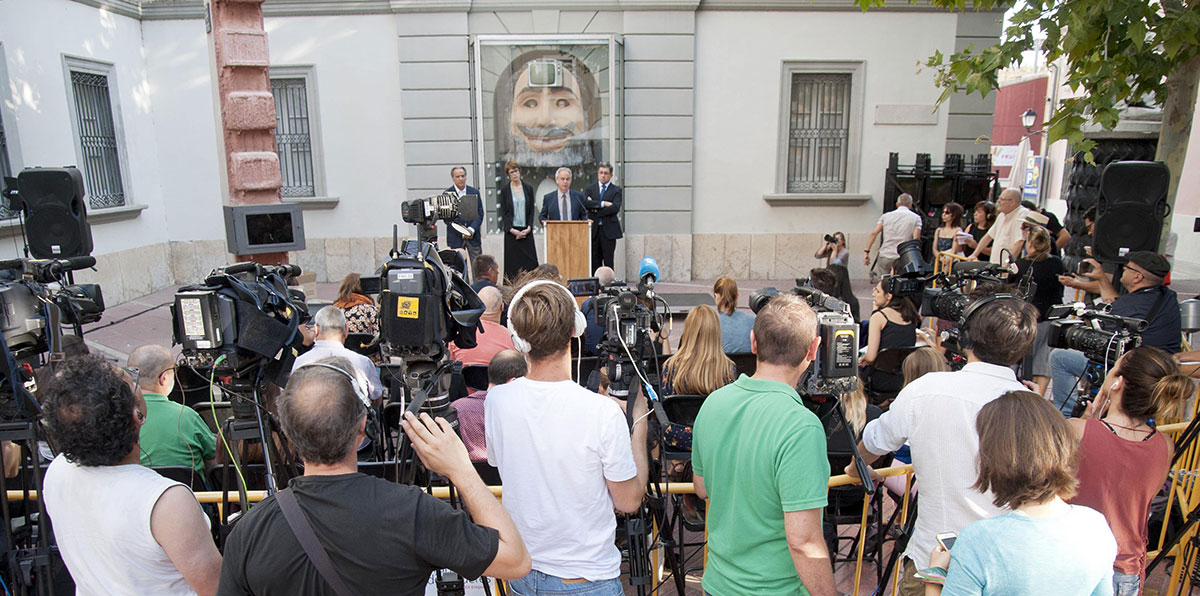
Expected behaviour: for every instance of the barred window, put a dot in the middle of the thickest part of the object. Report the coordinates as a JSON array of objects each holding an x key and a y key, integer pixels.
[
  {"x": 818, "y": 132},
  {"x": 97, "y": 140},
  {"x": 293, "y": 139}
]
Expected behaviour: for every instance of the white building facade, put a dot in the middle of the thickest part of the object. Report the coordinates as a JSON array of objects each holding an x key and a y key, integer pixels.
[{"x": 742, "y": 132}]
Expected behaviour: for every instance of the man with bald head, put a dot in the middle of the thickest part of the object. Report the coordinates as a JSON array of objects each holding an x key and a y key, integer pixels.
[
  {"x": 492, "y": 338},
  {"x": 1006, "y": 231},
  {"x": 332, "y": 330},
  {"x": 380, "y": 537},
  {"x": 173, "y": 435},
  {"x": 505, "y": 366}
]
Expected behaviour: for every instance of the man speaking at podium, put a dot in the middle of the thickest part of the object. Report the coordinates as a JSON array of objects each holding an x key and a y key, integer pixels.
[{"x": 563, "y": 204}]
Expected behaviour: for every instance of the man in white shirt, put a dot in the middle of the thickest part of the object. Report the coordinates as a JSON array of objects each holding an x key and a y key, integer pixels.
[
  {"x": 936, "y": 414},
  {"x": 330, "y": 322},
  {"x": 897, "y": 225},
  {"x": 565, "y": 454},
  {"x": 1006, "y": 232},
  {"x": 121, "y": 527}
]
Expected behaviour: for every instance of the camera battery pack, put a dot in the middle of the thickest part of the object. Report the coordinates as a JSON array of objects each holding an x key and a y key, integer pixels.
[{"x": 839, "y": 345}]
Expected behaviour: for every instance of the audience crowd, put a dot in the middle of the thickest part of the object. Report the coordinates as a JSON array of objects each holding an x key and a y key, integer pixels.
[{"x": 1040, "y": 502}]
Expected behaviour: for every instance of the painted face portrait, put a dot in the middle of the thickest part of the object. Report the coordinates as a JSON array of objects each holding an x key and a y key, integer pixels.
[{"x": 542, "y": 124}]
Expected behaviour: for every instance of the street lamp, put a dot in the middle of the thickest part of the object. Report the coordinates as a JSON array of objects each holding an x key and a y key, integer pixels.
[{"x": 1028, "y": 118}]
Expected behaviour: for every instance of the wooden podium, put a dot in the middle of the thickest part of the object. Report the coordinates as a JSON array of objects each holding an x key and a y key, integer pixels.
[{"x": 569, "y": 247}]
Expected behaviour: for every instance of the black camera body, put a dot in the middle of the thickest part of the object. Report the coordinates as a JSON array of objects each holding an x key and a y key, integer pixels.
[
  {"x": 36, "y": 298},
  {"x": 1078, "y": 327},
  {"x": 835, "y": 370},
  {"x": 240, "y": 319},
  {"x": 425, "y": 212},
  {"x": 627, "y": 333}
]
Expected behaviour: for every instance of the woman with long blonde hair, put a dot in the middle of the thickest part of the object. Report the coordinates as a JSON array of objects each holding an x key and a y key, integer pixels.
[{"x": 700, "y": 366}]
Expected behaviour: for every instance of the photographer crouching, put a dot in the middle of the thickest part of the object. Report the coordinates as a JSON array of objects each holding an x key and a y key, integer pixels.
[
  {"x": 1147, "y": 299},
  {"x": 935, "y": 415}
]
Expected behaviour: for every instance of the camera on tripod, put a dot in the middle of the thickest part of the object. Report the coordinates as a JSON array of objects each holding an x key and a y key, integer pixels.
[
  {"x": 628, "y": 338},
  {"x": 424, "y": 305},
  {"x": 239, "y": 320},
  {"x": 39, "y": 297},
  {"x": 835, "y": 370}
]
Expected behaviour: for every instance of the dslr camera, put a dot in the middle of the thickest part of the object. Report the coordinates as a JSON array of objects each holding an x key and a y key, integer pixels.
[{"x": 835, "y": 370}]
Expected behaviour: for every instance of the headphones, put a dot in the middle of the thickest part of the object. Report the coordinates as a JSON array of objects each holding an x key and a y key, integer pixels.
[
  {"x": 964, "y": 336},
  {"x": 520, "y": 344},
  {"x": 360, "y": 386}
]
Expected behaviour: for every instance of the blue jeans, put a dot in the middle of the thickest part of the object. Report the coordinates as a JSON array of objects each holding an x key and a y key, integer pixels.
[
  {"x": 537, "y": 582},
  {"x": 1066, "y": 366},
  {"x": 1126, "y": 585}
]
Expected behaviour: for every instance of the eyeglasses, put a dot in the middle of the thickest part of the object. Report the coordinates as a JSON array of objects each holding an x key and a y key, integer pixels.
[{"x": 133, "y": 373}]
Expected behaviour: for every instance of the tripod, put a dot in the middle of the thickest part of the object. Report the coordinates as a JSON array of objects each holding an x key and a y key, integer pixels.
[{"x": 28, "y": 564}]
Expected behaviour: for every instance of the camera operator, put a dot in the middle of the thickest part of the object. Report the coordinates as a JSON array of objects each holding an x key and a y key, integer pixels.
[
  {"x": 379, "y": 536},
  {"x": 121, "y": 527},
  {"x": 565, "y": 454},
  {"x": 1147, "y": 298},
  {"x": 591, "y": 338},
  {"x": 935, "y": 415},
  {"x": 174, "y": 434},
  {"x": 756, "y": 432}
]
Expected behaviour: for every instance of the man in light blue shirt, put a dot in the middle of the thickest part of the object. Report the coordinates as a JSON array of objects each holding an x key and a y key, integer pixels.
[{"x": 331, "y": 330}]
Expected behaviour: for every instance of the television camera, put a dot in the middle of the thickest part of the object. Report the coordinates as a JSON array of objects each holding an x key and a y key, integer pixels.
[
  {"x": 424, "y": 305},
  {"x": 1102, "y": 337},
  {"x": 835, "y": 370},
  {"x": 627, "y": 320},
  {"x": 238, "y": 329},
  {"x": 425, "y": 213}
]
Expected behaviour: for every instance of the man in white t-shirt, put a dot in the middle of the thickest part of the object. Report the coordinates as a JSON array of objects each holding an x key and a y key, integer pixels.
[
  {"x": 121, "y": 527},
  {"x": 897, "y": 225},
  {"x": 1006, "y": 232},
  {"x": 565, "y": 454},
  {"x": 935, "y": 415}
]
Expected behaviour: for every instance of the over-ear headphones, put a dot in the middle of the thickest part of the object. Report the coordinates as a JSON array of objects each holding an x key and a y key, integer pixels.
[
  {"x": 520, "y": 344},
  {"x": 359, "y": 385},
  {"x": 964, "y": 334}
]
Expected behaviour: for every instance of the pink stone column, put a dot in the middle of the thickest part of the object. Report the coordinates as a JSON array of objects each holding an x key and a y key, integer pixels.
[{"x": 246, "y": 110}]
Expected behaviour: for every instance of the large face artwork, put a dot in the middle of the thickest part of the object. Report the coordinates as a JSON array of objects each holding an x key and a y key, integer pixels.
[{"x": 545, "y": 118}]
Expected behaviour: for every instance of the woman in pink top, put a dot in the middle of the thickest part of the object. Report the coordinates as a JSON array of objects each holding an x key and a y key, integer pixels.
[{"x": 1123, "y": 459}]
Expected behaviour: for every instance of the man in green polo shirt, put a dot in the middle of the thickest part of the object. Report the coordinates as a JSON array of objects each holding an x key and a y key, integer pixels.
[
  {"x": 759, "y": 457},
  {"x": 173, "y": 435}
]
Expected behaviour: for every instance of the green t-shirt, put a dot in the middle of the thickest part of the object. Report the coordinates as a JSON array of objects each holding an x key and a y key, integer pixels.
[
  {"x": 174, "y": 435},
  {"x": 761, "y": 453}
]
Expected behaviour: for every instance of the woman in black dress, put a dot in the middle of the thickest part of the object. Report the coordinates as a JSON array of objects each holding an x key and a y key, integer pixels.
[{"x": 517, "y": 216}]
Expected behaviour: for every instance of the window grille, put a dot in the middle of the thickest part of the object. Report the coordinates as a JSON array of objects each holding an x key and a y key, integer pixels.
[
  {"x": 293, "y": 140},
  {"x": 818, "y": 133},
  {"x": 98, "y": 140}
]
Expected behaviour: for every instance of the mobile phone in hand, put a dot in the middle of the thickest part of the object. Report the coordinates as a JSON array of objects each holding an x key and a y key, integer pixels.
[{"x": 947, "y": 539}]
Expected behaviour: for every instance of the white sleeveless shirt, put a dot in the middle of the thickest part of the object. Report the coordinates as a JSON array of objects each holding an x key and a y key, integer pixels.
[{"x": 101, "y": 518}]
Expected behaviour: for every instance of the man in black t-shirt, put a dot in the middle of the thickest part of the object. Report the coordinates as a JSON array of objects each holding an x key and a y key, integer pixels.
[{"x": 380, "y": 537}]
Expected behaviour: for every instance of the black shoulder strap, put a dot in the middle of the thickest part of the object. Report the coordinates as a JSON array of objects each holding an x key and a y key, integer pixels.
[
  {"x": 309, "y": 541},
  {"x": 1162, "y": 296}
]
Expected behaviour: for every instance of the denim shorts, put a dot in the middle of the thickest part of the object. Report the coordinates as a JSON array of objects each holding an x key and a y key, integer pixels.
[
  {"x": 537, "y": 582},
  {"x": 1125, "y": 584}
]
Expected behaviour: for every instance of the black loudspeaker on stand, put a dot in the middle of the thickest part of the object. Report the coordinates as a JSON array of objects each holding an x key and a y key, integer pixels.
[
  {"x": 1131, "y": 208},
  {"x": 55, "y": 213}
]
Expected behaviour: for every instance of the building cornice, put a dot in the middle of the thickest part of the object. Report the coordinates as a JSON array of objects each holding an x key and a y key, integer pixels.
[{"x": 153, "y": 10}]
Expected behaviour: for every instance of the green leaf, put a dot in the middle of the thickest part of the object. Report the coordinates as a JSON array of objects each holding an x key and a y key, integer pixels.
[{"x": 1137, "y": 33}]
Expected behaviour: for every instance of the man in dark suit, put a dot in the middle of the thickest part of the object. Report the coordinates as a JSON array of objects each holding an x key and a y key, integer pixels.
[
  {"x": 603, "y": 202},
  {"x": 554, "y": 202},
  {"x": 454, "y": 238}
]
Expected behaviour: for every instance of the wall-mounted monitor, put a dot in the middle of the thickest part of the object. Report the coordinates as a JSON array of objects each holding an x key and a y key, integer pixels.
[{"x": 257, "y": 229}]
